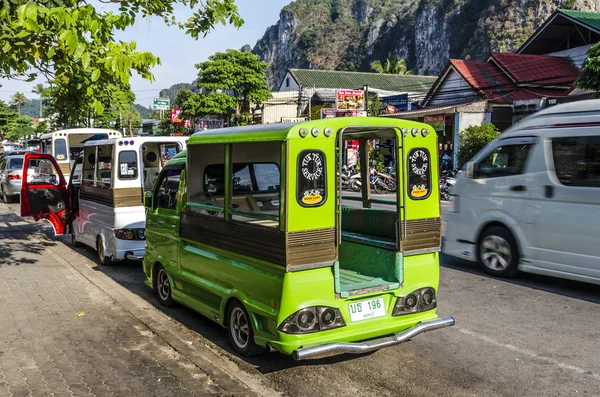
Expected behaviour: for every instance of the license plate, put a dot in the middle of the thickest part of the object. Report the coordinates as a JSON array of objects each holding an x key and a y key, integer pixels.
[{"x": 365, "y": 310}]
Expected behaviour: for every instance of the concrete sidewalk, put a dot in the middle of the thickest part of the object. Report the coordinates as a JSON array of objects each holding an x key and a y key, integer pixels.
[{"x": 68, "y": 330}]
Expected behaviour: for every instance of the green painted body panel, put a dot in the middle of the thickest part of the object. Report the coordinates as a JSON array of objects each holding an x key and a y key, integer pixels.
[{"x": 207, "y": 278}]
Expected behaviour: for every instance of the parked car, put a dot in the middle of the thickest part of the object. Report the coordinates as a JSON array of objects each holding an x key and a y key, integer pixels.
[
  {"x": 11, "y": 177},
  {"x": 530, "y": 200}
]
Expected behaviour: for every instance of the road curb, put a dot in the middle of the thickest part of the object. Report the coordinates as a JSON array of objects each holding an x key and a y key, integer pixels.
[{"x": 222, "y": 371}]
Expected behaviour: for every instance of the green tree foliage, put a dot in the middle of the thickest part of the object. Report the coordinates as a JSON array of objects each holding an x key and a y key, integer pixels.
[
  {"x": 374, "y": 105},
  {"x": 131, "y": 119},
  {"x": 72, "y": 44},
  {"x": 19, "y": 128},
  {"x": 7, "y": 116},
  {"x": 590, "y": 71},
  {"x": 232, "y": 78},
  {"x": 195, "y": 105},
  {"x": 41, "y": 128},
  {"x": 472, "y": 139},
  {"x": 40, "y": 89},
  {"x": 18, "y": 99},
  {"x": 392, "y": 65}
]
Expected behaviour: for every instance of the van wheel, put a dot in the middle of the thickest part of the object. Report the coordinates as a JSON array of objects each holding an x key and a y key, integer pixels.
[
  {"x": 497, "y": 252},
  {"x": 241, "y": 334},
  {"x": 102, "y": 258},
  {"x": 163, "y": 286}
]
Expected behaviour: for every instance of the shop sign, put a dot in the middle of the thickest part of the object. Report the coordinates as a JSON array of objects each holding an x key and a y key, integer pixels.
[
  {"x": 438, "y": 122},
  {"x": 395, "y": 104},
  {"x": 350, "y": 100}
]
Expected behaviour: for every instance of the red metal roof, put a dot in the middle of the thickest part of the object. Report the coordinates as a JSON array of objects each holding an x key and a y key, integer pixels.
[{"x": 537, "y": 70}]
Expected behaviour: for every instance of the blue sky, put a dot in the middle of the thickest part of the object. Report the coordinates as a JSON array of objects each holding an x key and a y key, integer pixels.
[{"x": 177, "y": 51}]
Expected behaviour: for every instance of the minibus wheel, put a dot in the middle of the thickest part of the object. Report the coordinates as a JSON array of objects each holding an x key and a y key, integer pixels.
[
  {"x": 241, "y": 334},
  {"x": 497, "y": 252},
  {"x": 163, "y": 286},
  {"x": 102, "y": 258}
]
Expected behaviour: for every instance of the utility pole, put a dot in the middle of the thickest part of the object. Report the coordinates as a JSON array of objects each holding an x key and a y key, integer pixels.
[{"x": 299, "y": 110}]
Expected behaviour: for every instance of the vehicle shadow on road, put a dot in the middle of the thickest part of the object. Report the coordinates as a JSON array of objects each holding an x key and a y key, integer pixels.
[
  {"x": 572, "y": 289},
  {"x": 20, "y": 245},
  {"x": 130, "y": 275}
]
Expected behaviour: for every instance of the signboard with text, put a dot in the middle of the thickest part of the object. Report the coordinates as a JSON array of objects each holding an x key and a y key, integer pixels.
[
  {"x": 331, "y": 113},
  {"x": 175, "y": 115},
  {"x": 350, "y": 100},
  {"x": 161, "y": 103},
  {"x": 395, "y": 103},
  {"x": 438, "y": 122},
  {"x": 208, "y": 123}
]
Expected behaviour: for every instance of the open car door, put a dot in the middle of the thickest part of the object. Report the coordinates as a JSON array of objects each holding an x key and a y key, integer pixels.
[{"x": 44, "y": 191}]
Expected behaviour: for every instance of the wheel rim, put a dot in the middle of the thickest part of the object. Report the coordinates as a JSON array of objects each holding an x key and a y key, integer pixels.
[
  {"x": 100, "y": 251},
  {"x": 495, "y": 253},
  {"x": 164, "y": 287},
  {"x": 239, "y": 327}
]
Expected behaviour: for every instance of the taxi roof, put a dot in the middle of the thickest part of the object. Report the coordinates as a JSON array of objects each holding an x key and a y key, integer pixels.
[{"x": 284, "y": 131}]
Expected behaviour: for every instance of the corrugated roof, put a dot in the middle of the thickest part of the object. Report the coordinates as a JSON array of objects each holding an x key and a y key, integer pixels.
[
  {"x": 592, "y": 19},
  {"x": 538, "y": 70},
  {"x": 354, "y": 80}
]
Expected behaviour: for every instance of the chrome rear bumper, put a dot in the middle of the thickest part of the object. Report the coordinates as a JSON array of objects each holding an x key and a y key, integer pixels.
[
  {"x": 133, "y": 257},
  {"x": 330, "y": 349}
]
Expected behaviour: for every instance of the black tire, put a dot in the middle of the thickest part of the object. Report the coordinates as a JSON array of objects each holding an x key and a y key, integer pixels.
[
  {"x": 162, "y": 286},
  {"x": 241, "y": 334},
  {"x": 378, "y": 188},
  {"x": 74, "y": 242},
  {"x": 102, "y": 258},
  {"x": 497, "y": 252},
  {"x": 355, "y": 186}
]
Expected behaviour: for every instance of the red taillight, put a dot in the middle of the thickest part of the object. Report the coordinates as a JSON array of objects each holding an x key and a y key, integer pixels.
[{"x": 14, "y": 177}]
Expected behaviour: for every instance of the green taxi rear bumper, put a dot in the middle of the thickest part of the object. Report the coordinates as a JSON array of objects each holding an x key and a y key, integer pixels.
[{"x": 329, "y": 349}]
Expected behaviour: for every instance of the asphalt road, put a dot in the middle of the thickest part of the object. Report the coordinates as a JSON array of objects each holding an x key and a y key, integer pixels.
[{"x": 529, "y": 336}]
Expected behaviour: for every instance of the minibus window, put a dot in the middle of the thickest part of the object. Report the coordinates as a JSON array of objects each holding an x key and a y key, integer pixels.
[
  {"x": 166, "y": 194},
  {"x": 128, "y": 166},
  {"x": 60, "y": 149},
  {"x": 104, "y": 166},
  {"x": 419, "y": 174},
  {"x": 89, "y": 165},
  {"x": 504, "y": 161},
  {"x": 577, "y": 160},
  {"x": 311, "y": 178}
]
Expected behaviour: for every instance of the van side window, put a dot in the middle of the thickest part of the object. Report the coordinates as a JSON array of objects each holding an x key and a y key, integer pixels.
[
  {"x": 168, "y": 187},
  {"x": 128, "y": 164},
  {"x": 504, "y": 161},
  {"x": 577, "y": 160}
]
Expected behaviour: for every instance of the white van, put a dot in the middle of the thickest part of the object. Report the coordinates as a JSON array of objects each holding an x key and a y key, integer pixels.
[
  {"x": 530, "y": 200},
  {"x": 102, "y": 204}
]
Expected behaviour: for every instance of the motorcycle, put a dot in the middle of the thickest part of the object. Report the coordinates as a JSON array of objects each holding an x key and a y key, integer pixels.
[
  {"x": 346, "y": 176},
  {"x": 384, "y": 183}
]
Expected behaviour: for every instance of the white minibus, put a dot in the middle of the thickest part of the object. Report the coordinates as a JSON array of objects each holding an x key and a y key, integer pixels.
[
  {"x": 102, "y": 204},
  {"x": 530, "y": 200}
]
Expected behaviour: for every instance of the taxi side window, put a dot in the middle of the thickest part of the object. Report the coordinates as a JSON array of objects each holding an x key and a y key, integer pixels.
[{"x": 168, "y": 188}]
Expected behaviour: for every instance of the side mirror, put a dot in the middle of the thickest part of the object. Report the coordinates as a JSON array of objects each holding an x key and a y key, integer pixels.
[
  {"x": 471, "y": 169},
  {"x": 148, "y": 199}
]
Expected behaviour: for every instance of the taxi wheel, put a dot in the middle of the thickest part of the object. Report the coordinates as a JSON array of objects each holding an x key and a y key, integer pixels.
[
  {"x": 241, "y": 334},
  {"x": 163, "y": 286},
  {"x": 102, "y": 258}
]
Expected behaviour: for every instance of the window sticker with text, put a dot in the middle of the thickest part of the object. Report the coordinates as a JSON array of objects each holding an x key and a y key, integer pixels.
[
  {"x": 419, "y": 174},
  {"x": 311, "y": 178}
]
